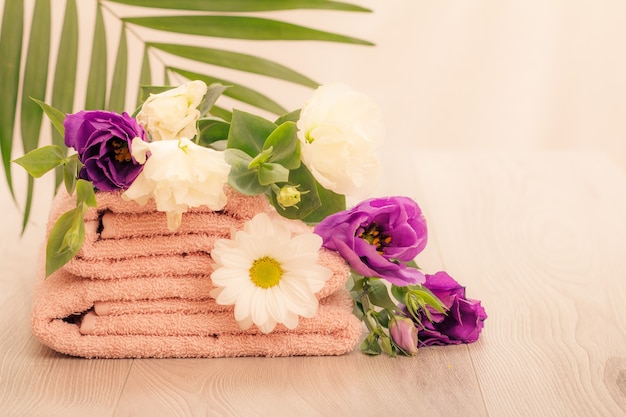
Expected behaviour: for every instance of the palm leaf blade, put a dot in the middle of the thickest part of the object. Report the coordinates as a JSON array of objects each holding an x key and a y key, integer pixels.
[
  {"x": 236, "y": 60},
  {"x": 239, "y": 27},
  {"x": 236, "y": 91},
  {"x": 97, "y": 82},
  {"x": 117, "y": 97},
  {"x": 145, "y": 76},
  {"x": 34, "y": 85},
  {"x": 244, "y": 5},
  {"x": 65, "y": 72},
  {"x": 35, "y": 75},
  {"x": 10, "y": 51}
]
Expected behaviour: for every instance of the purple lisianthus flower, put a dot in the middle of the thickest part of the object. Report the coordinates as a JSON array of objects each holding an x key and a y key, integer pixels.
[
  {"x": 377, "y": 237},
  {"x": 464, "y": 319},
  {"x": 102, "y": 140}
]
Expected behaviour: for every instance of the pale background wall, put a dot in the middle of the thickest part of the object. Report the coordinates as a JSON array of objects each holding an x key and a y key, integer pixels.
[{"x": 506, "y": 74}]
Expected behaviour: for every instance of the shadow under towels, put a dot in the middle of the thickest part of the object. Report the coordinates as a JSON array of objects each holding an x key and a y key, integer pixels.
[{"x": 137, "y": 290}]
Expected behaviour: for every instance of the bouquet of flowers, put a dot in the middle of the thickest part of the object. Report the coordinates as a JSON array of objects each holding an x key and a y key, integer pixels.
[{"x": 172, "y": 152}]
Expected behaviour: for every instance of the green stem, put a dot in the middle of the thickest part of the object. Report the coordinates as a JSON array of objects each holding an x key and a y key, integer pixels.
[{"x": 367, "y": 308}]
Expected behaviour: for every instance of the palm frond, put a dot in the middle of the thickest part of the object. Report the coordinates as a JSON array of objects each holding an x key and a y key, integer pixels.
[{"x": 244, "y": 5}]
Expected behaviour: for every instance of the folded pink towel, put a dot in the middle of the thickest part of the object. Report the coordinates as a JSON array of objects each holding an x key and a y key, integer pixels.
[
  {"x": 137, "y": 289},
  {"x": 173, "y": 317},
  {"x": 238, "y": 205}
]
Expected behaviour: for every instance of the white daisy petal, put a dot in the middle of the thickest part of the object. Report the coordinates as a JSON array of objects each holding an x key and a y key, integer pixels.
[
  {"x": 258, "y": 309},
  {"x": 291, "y": 321}
]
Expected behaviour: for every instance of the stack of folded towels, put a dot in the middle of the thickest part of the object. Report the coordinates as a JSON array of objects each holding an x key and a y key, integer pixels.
[{"x": 137, "y": 289}]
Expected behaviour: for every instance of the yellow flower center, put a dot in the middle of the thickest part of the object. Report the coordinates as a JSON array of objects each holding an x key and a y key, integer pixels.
[{"x": 266, "y": 272}]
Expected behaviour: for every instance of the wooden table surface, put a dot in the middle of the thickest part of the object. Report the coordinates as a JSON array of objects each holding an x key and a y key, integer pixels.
[{"x": 539, "y": 237}]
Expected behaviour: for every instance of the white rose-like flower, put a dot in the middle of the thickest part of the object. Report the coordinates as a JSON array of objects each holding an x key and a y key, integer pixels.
[
  {"x": 178, "y": 175},
  {"x": 340, "y": 130},
  {"x": 172, "y": 114}
]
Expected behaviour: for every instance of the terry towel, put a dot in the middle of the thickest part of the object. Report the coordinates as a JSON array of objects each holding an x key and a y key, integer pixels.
[{"x": 137, "y": 289}]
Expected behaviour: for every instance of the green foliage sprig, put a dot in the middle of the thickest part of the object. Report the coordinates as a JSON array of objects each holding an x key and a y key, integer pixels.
[{"x": 378, "y": 303}]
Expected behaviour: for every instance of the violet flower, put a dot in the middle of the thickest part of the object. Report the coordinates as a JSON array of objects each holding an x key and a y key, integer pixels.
[
  {"x": 377, "y": 237},
  {"x": 464, "y": 319},
  {"x": 102, "y": 140}
]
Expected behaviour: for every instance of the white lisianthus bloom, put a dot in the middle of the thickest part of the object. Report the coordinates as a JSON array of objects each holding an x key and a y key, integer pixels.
[
  {"x": 269, "y": 275},
  {"x": 172, "y": 114},
  {"x": 340, "y": 130},
  {"x": 178, "y": 175}
]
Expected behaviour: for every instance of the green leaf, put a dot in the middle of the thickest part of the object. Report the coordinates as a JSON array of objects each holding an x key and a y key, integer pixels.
[
  {"x": 236, "y": 91},
  {"x": 292, "y": 116},
  {"x": 41, "y": 160},
  {"x": 248, "y": 132},
  {"x": 65, "y": 239},
  {"x": 382, "y": 317},
  {"x": 330, "y": 203},
  {"x": 65, "y": 72},
  {"x": 244, "y": 5},
  {"x": 370, "y": 345},
  {"x": 97, "y": 80},
  {"x": 285, "y": 144},
  {"x": 85, "y": 194},
  {"x": 379, "y": 294},
  {"x": 70, "y": 172},
  {"x": 237, "y": 61},
  {"x": 399, "y": 292},
  {"x": 239, "y": 27},
  {"x": 212, "y": 130},
  {"x": 412, "y": 264},
  {"x": 10, "y": 51},
  {"x": 270, "y": 173},
  {"x": 117, "y": 95},
  {"x": 428, "y": 298},
  {"x": 214, "y": 91},
  {"x": 386, "y": 345},
  {"x": 357, "y": 282},
  {"x": 242, "y": 179},
  {"x": 145, "y": 77},
  {"x": 260, "y": 158},
  {"x": 56, "y": 116}
]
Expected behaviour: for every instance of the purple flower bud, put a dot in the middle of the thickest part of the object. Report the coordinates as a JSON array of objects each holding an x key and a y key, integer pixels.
[
  {"x": 404, "y": 334},
  {"x": 464, "y": 319}
]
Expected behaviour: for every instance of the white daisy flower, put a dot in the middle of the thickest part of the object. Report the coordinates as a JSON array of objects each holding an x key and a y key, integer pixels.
[{"x": 270, "y": 276}]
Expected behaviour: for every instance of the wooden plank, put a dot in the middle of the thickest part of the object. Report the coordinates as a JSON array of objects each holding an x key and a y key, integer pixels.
[
  {"x": 435, "y": 382},
  {"x": 541, "y": 239}
]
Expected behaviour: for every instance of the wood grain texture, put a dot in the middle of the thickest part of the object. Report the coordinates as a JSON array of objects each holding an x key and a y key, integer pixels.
[
  {"x": 305, "y": 386},
  {"x": 540, "y": 238},
  {"x": 36, "y": 381}
]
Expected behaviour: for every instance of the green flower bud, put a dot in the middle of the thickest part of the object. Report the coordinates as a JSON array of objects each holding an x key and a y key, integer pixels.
[{"x": 288, "y": 196}]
